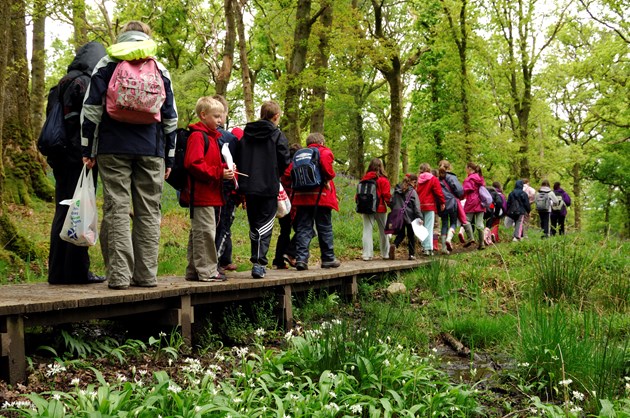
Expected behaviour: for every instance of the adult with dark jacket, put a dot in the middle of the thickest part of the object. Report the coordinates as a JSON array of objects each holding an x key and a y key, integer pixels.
[
  {"x": 453, "y": 191},
  {"x": 559, "y": 212},
  {"x": 518, "y": 206},
  {"x": 134, "y": 158},
  {"x": 262, "y": 155},
  {"x": 403, "y": 191},
  {"x": 314, "y": 207},
  {"x": 69, "y": 263},
  {"x": 376, "y": 173},
  {"x": 431, "y": 202}
]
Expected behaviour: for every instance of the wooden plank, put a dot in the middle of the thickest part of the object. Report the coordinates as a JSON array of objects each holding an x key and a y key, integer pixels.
[
  {"x": 286, "y": 307},
  {"x": 186, "y": 318}
]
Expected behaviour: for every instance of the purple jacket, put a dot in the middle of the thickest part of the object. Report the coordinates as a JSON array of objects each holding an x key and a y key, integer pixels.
[
  {"x": 567, "y": 200},
  {"x": 471, "y": 193}
]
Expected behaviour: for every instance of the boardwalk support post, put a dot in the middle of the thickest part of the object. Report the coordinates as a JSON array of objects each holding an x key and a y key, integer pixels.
[{"x": 13, "y": 360}]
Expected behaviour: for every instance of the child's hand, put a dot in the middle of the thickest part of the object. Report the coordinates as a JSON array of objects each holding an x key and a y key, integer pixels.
[{"x": 228, "y": 174}]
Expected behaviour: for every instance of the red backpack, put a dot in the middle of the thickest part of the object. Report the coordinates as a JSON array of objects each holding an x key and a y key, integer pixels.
[{"x": 135, "y": 93}]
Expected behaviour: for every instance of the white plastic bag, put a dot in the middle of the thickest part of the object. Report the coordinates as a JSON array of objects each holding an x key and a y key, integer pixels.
[
  {"x": 79, "y": 227},
  {"x": 284, "y": 204}
]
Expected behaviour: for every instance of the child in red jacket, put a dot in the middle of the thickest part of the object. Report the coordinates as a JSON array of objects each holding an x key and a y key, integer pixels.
[
  {"x": 204, "y": 190},
  {"x": 314, "y": 207},
  {"x": 376, "y": 172}
]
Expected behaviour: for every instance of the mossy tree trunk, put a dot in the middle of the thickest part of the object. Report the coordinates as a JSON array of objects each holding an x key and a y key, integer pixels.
[{"x": 22, "y": 170}]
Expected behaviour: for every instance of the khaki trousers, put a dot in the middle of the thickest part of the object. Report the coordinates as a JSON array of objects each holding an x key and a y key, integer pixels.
[
  {"x": 202, "y": 252},
  {"x": 131, "y": 256}
]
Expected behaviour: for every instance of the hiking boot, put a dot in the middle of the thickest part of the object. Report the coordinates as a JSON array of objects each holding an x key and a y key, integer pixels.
[
  {"x": 230, "y": 267},
  {"x": 301, "y": 265},
  {"x": 332, "y": 264},
  {"x": 412, "y": 257},
  {"x": 93, "y": 278},
  {"x": 258, "y": 271},
  {"x": 392, "y": 252},
  {"x": 118, "y": 286},
  {"x": 279, "y": 266}
]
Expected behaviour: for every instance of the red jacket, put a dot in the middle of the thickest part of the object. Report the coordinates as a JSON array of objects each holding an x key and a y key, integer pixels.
[
  {"x": 207, "y": 170},
  {"x": 328, "y": 198},
  {"x": 383, "y": 190},
  {"x": 471, "y": 193},
  {"x": 429, "y": 192}
]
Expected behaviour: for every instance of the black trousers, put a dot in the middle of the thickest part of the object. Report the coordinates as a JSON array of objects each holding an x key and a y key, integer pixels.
[
  {"x": 285, "y": 244},
  {"x": 261, "y": 214},
  {"x": 223, "y": 240},
  {"x": 67, "y": 263},
  {"x": 407, "y": 230}
]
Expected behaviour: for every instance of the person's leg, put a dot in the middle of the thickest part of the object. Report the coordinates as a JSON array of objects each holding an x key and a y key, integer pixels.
[
  {"x": 429, "y": 218},
  {"x": 525, "y": 225},
  {"x": 223, "y": 240},
  {"x": 381, "y": 218},
  {"x": 518, "y": 228},
  {"x": 544, "y": 223},
  {"x": 115, "y": 234},
  {"x": 67, "y": 263},
  {"x": 261, "y": 213},
  {"x": 325, "y": 236},
  {"x": 561, "y": 221},
  {"x": 204, "y": 254},
  {"x": 411, "y": 240},
  {"x": 368, "y": 243},
  {"x": 480, "y": 227},
  {"x": 304, "y": 233},
  {"x": 284, "y": 241},
  {"x": 147, "y": 180}
]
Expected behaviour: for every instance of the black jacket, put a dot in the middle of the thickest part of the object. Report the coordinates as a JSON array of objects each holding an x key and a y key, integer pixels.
[
  {"x": 263, "y": 155},
  {"x": 518, "y": 202},
  {"x": 412, "y": 210}
]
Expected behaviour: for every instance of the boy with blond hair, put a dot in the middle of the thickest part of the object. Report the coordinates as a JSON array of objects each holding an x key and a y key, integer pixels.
[{"x": 203, "y": 191}]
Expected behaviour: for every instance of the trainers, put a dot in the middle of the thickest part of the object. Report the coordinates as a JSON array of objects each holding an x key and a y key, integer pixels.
[
  {"x": 280, "y": 266},
  {"x": 332, "y": 264},
  {"x": 93, "y": 278},
  {"x": 428, "y": 253},
  {"x": 449, "y": 246},
  {"x": 258, "y": 271},
  {"x": 220, "y": 277},
  {"x": 411, "y": 257},
  {"x": 392, "y": 252},
  {"x": 290, "y": 260},
  {"x": 367, "y": 258},
  {"x": 301, "y": 265},
  {"x": 118, "y": 286},
  {"x": 515, "y": 239}
]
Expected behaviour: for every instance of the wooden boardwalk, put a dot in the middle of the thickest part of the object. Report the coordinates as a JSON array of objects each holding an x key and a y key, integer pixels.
[{"x": 172, "y": 301}]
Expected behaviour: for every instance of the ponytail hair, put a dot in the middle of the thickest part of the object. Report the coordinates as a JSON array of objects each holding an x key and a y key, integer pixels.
[
  {"x": 474, "y": 167},
  {"x": 377, "y": 166},
  {"x": 406, "y": 182}
]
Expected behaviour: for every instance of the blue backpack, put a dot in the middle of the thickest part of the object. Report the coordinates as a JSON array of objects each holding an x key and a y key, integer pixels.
[{"x": 305, "y": 173}]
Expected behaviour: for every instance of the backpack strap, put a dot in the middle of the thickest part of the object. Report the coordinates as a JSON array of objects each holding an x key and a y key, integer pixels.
[{"x": 191, "y": 206}]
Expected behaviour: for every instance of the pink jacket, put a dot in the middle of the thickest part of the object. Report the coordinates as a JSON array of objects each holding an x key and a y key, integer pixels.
[
  {"x": 471, "y": 193},
  {"x": 429, "y": 192}
]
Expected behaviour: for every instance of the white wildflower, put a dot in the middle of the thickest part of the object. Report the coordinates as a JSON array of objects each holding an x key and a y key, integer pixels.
[
  {"x": 578, "y": 395},
  {"x": 121, "y": 378},
  {"x": 356, "y": 409},
  {"x": 332, "y": 407},
  {"x": 386, "y": 363},
  {"x": 398, "y": 347},
  {"x": 237, "y": 400},
  {"x": 162, "y": 334},
  {"x": 56, "y": 397},
  {"x": 143, "y": 372},
  {"x": 287, "y": 385},
  {"x": 288, "y": 372},
  {"x": 566, "y": 382},
  {"x": 54, "y": 369},
  {"x": 260, "y": 332},
  {"x": 239, "y": 374},
  {"x": 172, "y": 387},
  {"x": 576, "y": 409},
  {"x": 76, "y": 381},
  {"x": 333, "y": 394},
  {"x": 336, "y": 321},
  {"x": 170, "y": 362},
  {"x": 525, "y": 364},
  {"x": 288, "y": 335}
]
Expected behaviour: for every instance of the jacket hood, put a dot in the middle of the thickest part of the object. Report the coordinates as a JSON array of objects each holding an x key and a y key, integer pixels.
[
  {"x": 545, "y": 189},
  {"x": 475, "y": 178},
  {"x": 424, "y": 177},
  {"x": 261, "y": 130},
  {"x": 559, "y": 190},
  {"x": 88, "y": 56},
  {"x": 519, "y": 185},
  {"x": 370, "y": 175},
  {"x": 133, "y": 45}
]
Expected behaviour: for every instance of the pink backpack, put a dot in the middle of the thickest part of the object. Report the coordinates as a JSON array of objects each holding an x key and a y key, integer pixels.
[{"x": 135, "y": 93}]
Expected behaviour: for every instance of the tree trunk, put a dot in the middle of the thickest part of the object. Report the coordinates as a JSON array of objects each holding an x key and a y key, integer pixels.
[
  {"x": 38, "y": 68},
  {"x": 321, "y": 67},
  {"x": 356, "y": 141},
  {"x": 248, "y": 86},
  {"x": 79, "y": 22},
  {"x": 436, "y": 114},
  {"x": 394, "y": 79},
  {"x": 223, "y": 77},
  {"x": 576, "y": 204},
  {"x": 21, "y": 170}
]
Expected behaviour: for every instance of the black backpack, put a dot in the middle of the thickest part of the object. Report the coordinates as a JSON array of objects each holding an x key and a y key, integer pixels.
[
  {"x": 179, "y": 174},
  {"x": 305, "y": 172},
  {"x": 366, "y": 197},
  {"x": 53, "y": 139}
]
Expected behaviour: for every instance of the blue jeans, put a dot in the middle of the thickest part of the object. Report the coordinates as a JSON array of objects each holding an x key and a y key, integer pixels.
[
  {"x": 429, "y": 219},
  {"x": 305, "y": 218}
]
